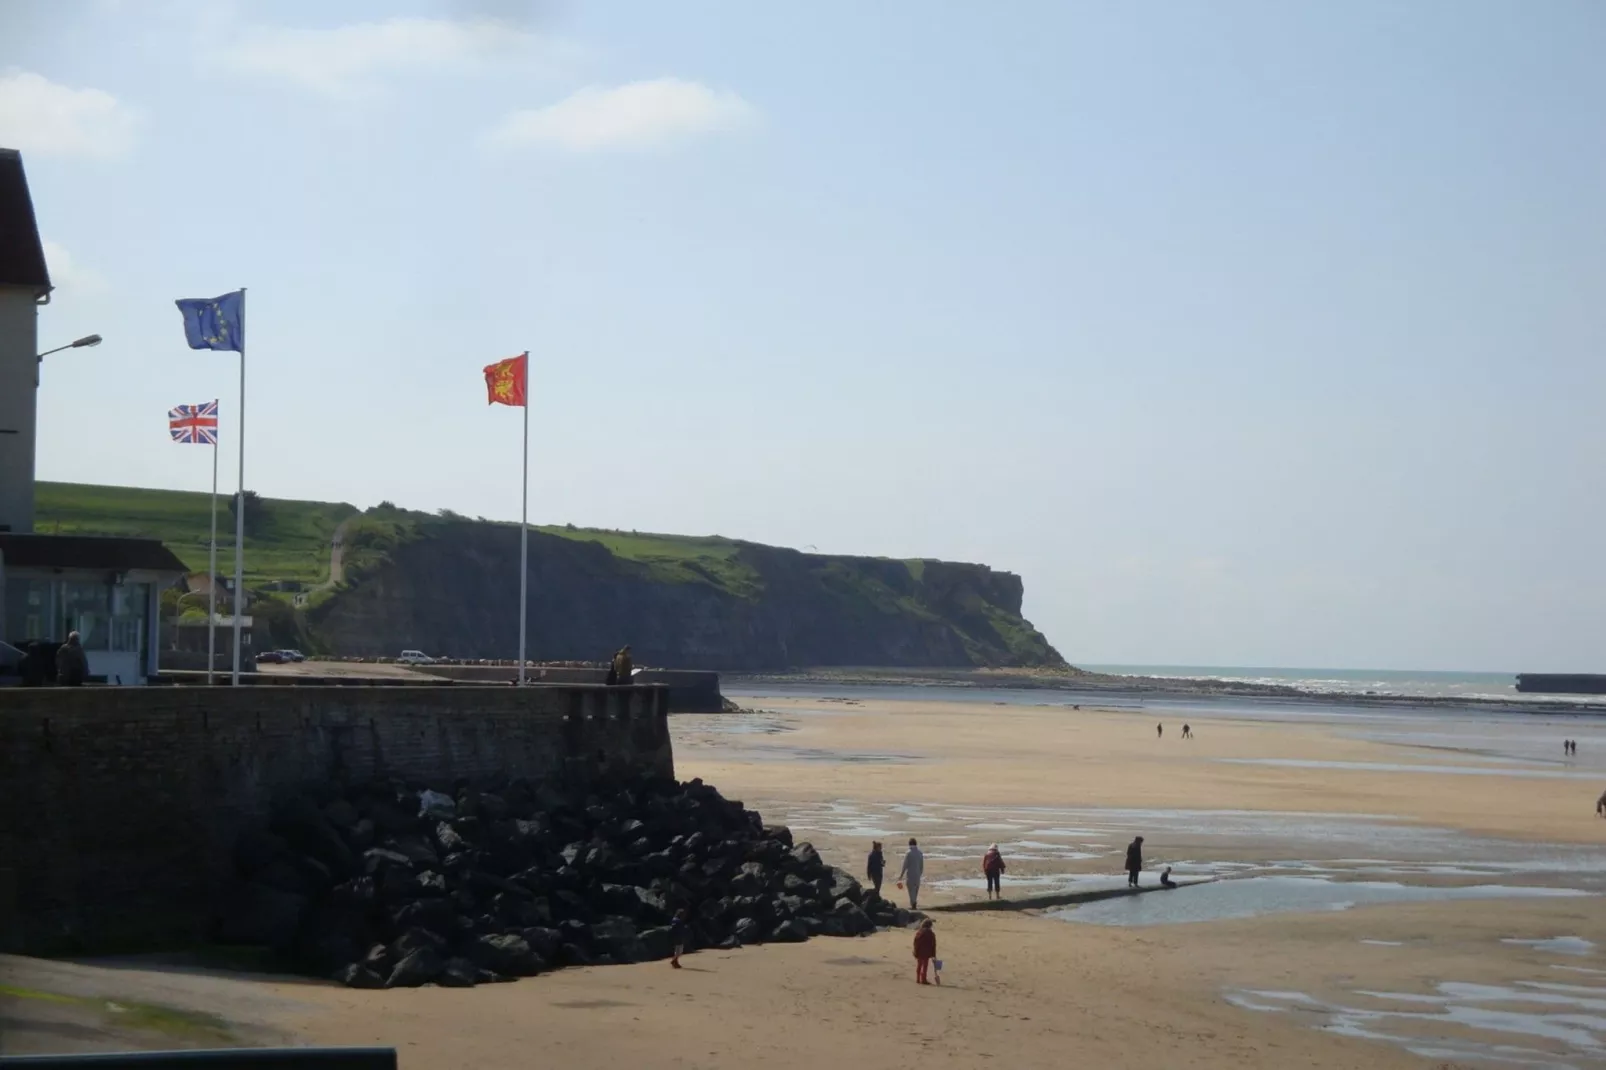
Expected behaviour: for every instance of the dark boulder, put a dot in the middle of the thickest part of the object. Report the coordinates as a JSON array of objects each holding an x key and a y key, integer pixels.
[
  {"x": 748, "y": 931},
  {"x": 356, "y": 975},
  {"x": 806, "y": 856},
  {"x": 789, "y": 932},
  {"x": 416, "y": 968},
  {"x": 506, "y": 953}
]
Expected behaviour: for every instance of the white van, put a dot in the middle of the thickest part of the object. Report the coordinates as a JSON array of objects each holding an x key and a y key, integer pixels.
[{"x": 414, "y": 657}]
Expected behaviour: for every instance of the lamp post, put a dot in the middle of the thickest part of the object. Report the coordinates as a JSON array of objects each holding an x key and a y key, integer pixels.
[{"x": 86, "y": 340}]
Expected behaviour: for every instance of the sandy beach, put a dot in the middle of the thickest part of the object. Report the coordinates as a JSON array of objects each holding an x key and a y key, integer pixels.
[{"x": 1449, "y": 855}]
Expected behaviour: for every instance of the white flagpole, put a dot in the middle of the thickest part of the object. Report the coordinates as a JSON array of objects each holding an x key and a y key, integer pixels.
[
  {"x": 211, "y": 578},
  {"x": 239, "y": 511},
  {"x": 524, "y": 523}
]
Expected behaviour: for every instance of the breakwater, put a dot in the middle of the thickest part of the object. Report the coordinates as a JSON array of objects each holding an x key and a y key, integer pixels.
[{"x": 124, "y": 804}]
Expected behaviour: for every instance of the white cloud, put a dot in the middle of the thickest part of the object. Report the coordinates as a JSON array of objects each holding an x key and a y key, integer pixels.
[
  {"x": 67, "y": 274},
  {"x": 347, "y": 61},
  {"x": 638, "y": 115},
  {"x": 41, "y": 116}
]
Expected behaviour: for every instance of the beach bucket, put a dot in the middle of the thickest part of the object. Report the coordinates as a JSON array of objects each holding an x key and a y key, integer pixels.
[{"x": 937, "y": 963}]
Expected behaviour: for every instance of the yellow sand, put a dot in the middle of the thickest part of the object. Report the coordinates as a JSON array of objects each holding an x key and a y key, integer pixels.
[{"x": 1020, "y": 990}]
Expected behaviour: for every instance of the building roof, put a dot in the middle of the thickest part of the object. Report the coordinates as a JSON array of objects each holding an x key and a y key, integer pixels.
[
  {"x": 96, "y": 553},
  {"x": 22, "y": 254}
]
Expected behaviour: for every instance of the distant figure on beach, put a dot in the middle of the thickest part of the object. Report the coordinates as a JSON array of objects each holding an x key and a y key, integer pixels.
[
  {"x": 876, "y": 865},
  {"x": 992, "y": 867},
  {"x": 1165, "y": 878},
  {"x": 1187, "y": 731},
  {"x": 622, "y": 666},
  {"x": 1600, "y": 804},
  {"x": 1159, "y": 730},
  {"x": 1566, "y": 746},
  {"x": 72, "y": 664},
  {"x": 1134, "y": 861},
  {"x": 677, "y": 936},
  {"x": 925, "y": 951},
  {"x": 914, "y": 867}
]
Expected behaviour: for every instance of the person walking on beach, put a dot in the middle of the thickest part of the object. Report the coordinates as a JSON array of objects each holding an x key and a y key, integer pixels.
[
  {"x": 1600, "y": 804},
  {"x": 914, "y": 867},
  {"x": 1134, "y": 861},
  {"x": 1187, "y": 731},
  {"x": 1159, "y": 731},
  {"x": 925, "y": 951},
  {"x": 876, "y": 865},
  {"x": 992, "y": 867},
  {"x": 677, "y": 936}
]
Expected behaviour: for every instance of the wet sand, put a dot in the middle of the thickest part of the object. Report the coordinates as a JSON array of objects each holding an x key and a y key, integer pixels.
[{"x": 1062, "y": 791}]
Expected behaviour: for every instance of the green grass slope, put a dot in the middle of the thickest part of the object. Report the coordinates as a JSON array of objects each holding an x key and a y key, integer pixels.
[{"x": 289, "y": 539}]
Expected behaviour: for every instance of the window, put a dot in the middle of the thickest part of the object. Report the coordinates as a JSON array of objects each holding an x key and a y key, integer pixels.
[
  {"x": 130, "y": 602},
  {"x": 27, "y": 610},
  {"x": 86, "y": 609}
]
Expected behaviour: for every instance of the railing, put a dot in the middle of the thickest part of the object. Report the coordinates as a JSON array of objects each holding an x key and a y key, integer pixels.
[{"x": 222, "y": 1059}]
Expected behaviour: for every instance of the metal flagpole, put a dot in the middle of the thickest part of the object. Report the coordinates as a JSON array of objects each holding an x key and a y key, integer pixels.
[
  {"x": 239, "y": 512},
  {"x": 524, "y": 524},
  {"x": 211, "y": 577}
]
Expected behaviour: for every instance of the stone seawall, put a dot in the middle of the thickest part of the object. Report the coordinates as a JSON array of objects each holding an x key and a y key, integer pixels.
[
  {"x": 122, "y": 805},
  {"x": 690, "y": 690}
]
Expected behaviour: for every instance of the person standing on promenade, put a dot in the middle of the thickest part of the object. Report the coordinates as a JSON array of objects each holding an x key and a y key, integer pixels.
[
  {"x": 925, "y": 951},
  {"x": 875, "y": 867},
  {"x": 992, "y": 867},
  {"x": 914, "y": 867},
  {"x": 72, "y": 664},
  {"x": 1134, "y": 861},
  {"x": 622, "y": 665}
]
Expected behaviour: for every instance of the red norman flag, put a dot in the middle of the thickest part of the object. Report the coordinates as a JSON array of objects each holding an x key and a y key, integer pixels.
[{"x": 505, "y": 381}]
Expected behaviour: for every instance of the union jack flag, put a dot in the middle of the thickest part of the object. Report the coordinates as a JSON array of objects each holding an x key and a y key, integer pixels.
[{"x": 194, "y": 423}]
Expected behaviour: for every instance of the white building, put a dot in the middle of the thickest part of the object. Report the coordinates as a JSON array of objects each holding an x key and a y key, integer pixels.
[
  {"x": 24, "y": 286},
  {"x": 106, "y": 589}
]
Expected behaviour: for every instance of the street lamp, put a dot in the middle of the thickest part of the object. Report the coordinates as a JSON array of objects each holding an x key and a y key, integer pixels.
[{"x": 86, "y": 340}]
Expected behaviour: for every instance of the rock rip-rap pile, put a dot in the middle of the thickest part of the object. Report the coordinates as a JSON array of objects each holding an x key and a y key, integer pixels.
[{"x": 391, "y": 884}]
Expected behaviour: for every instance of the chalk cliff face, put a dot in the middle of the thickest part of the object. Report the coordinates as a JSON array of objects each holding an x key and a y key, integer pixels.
[{"x": 453, "y": 590}]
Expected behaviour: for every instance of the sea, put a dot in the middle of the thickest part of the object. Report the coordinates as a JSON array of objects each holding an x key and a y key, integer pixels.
[{"x": 1410, "y": 683}]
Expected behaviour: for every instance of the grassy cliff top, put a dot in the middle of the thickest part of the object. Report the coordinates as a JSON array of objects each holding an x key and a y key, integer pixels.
[{"x": 290, "y": 540}]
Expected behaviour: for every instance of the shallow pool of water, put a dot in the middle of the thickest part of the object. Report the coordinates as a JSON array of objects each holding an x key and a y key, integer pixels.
[
  {"x": 1528, "y": 1023},
  {"x": 1248, "y": 897}
]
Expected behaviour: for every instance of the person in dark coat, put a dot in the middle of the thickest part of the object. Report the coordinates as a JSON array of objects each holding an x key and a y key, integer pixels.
[
  {"x": 679, "y": 933},
  {"x": 992, "y": 867},
  {"x": 875, "y": 867},
  {"x": 622, "y": 665},
  {"x": 1134, "y": 861},
  {"x": 72, "y": 664}
]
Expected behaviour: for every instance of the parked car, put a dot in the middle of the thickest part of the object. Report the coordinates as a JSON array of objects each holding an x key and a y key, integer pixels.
[
  {"x": 271, "y": 657},
  {"x": 414, "y": 657},
  {"x": 293, "y": 655}
]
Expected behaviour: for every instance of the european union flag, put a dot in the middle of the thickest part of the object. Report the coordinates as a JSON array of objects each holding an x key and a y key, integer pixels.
[{"x": 214, "y": 322}]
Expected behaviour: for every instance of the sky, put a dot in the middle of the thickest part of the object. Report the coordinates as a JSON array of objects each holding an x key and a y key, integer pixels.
[{"x": 1246, "y": 332}]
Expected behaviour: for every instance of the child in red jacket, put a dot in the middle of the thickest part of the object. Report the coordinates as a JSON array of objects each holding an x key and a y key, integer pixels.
[{"x": 925, "y": 950}]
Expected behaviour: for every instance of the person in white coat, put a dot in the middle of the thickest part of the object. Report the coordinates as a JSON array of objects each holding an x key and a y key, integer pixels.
[{"x": 914, "y": 867}]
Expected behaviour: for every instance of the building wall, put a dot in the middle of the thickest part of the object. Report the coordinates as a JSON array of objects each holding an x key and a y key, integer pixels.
[
  {"x": 122, "y": 805},
  {"x": 19, "y": 348}
]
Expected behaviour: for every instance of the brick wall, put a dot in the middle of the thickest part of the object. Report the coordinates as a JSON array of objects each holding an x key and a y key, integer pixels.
[{"x": 121, "y": 805}]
